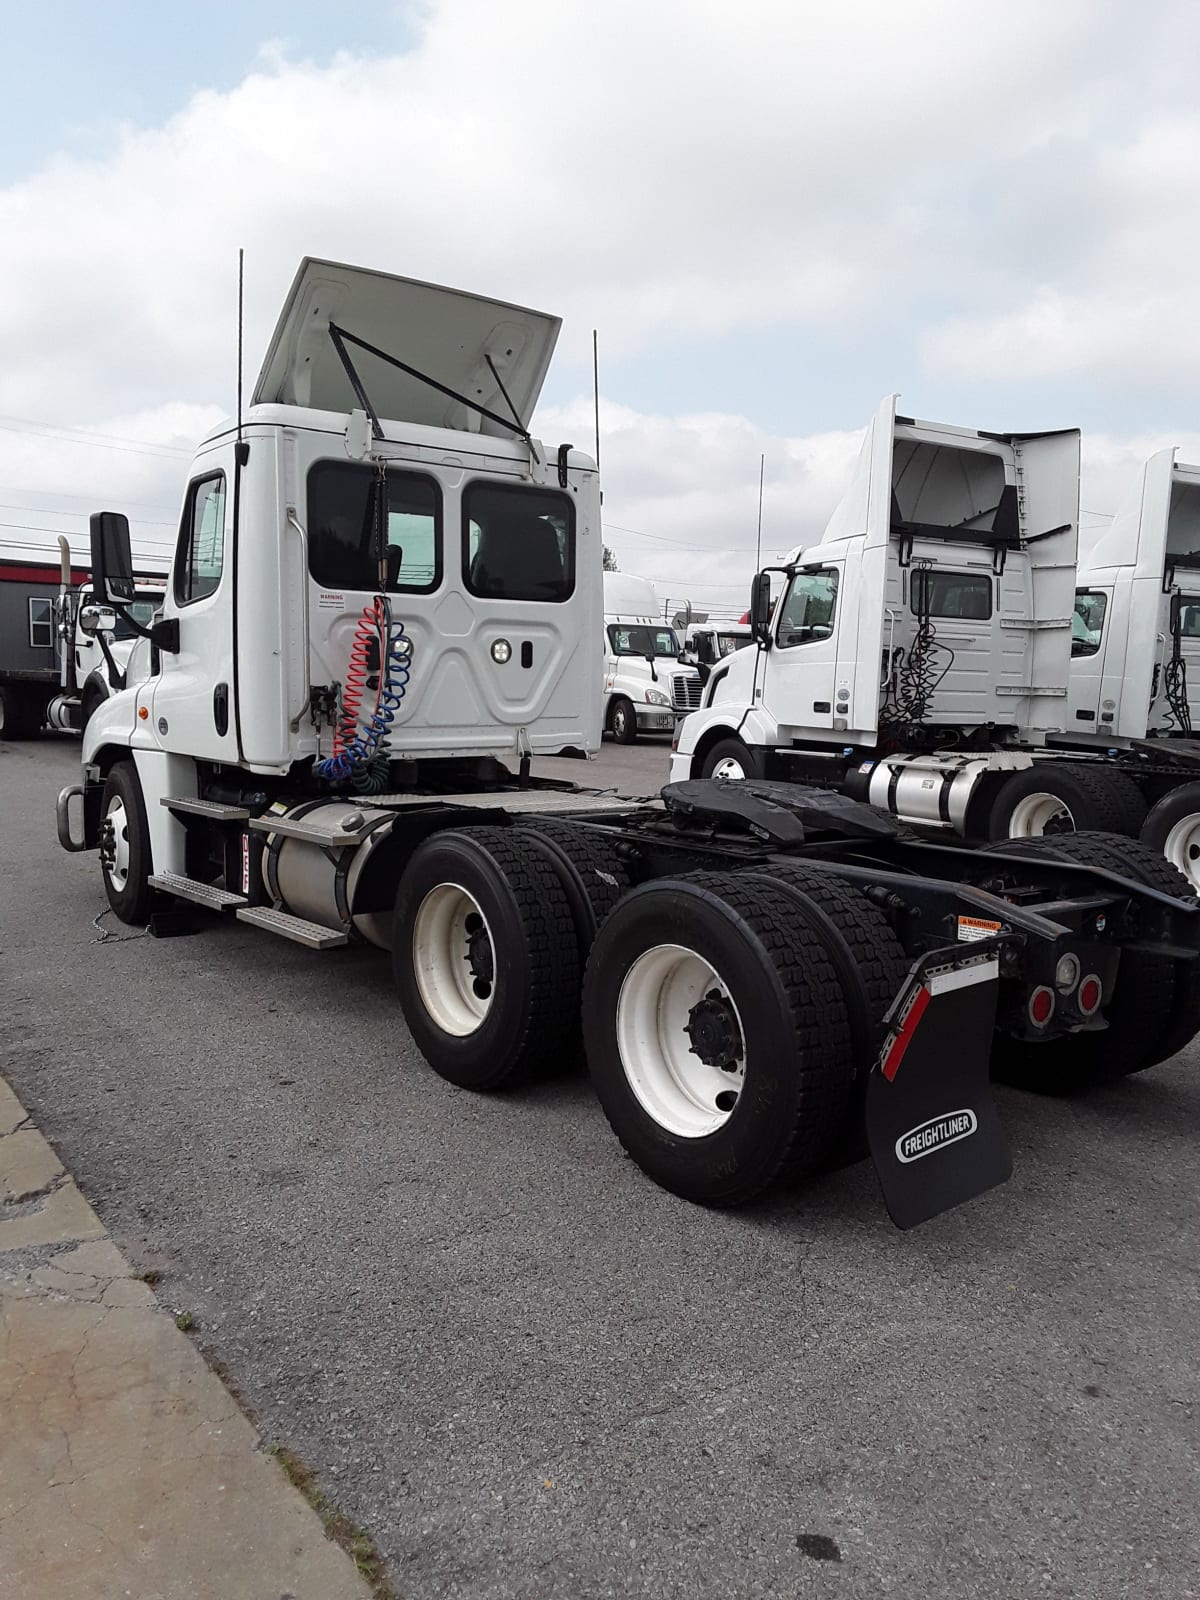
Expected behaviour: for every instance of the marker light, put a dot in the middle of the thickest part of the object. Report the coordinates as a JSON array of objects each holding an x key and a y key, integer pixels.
[
  {"x": 501, "y": 651},
  {"x": 1091, "y": 993},
  {"x": 1041, "y": 1006}
]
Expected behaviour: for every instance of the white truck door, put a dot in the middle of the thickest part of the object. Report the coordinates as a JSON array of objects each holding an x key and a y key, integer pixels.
[
  {"x": 798, "y": 681},
  {"x": 193, "y": 710}
]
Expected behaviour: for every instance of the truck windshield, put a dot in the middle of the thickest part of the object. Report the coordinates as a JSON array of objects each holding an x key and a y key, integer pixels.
[
  {"x": 639, "y": 640},
  {"x": 1087, "y": 622},
  {"x": 727, "y": 643}
]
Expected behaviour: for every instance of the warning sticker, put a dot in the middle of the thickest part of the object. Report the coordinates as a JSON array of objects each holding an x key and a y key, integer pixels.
[
  {"x": 976, "y": 928},
  {"x": 329, "y": 600}
]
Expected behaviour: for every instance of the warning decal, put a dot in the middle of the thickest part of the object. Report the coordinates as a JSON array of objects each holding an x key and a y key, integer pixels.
[{"x": 976, "y": 928}]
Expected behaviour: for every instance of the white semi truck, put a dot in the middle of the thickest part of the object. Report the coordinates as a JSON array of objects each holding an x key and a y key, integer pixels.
[
  {"x": 386, "y": 600},
  {"x": 1135, "y": 669},
  {"x": 646, "y": 687}
]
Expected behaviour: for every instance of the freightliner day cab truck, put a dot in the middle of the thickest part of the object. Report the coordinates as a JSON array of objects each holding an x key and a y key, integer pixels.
[
  {"x": 646, "y": 687},
  {"x": 386, "y": 599},
  {"x": 60, "y": 655}
]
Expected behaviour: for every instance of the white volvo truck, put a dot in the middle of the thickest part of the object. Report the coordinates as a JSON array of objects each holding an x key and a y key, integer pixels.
[
  {"x": 646, "y": 686},
  {"x": 1135, "y": 669},
  {"x": 919, "y": 657},
  {"x": 386, "y": 600}
]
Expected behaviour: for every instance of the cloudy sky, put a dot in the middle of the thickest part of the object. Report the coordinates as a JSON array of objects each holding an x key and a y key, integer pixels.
[{"x": 773, "y": 213}]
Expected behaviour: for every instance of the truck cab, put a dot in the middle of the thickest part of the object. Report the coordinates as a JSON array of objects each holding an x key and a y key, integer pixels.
[
  {"x": 706, "y": 644},
  {"x": 379, "y": 532},
  {"x": 1135, "y": 642},
  {"x": 647, "y": 685}
]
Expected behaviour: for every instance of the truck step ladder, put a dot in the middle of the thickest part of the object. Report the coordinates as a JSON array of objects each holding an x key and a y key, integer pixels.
[
  {"x": 211, "y": 809},
  {"x": 203, "y": 894},
  {"x": 313, "y": 934}
]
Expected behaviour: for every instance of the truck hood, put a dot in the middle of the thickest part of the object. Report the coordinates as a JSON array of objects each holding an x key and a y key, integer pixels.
[{"x": 445, "y": 334}]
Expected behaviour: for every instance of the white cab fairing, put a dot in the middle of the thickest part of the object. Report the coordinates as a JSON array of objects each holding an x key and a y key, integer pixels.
[{"x": 446, "y": 334}]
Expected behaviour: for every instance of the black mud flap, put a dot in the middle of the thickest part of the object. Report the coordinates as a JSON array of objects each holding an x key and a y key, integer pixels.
[{"x": 933, "y": 1130}]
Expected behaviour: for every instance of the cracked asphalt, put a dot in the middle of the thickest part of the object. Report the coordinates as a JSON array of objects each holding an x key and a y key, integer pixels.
[{"x": 528, "y": 1372}]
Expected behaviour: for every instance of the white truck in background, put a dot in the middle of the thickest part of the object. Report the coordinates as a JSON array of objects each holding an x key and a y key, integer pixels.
[
  {"x": 386, "y": 596},
  {"x": 1135, "y": 669},
  {"x": 919, "y": 655},
  {"x": 706, "y": 644},
  {"x": 60, "y": 654},
  {"x": 646, "y": 687}
]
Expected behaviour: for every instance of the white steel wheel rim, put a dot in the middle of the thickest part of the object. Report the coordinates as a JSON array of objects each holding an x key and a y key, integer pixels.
[
  {"x": 669, "y": 1080},
  {"x": 453, "y": 994},
  {"x": 117, "y": 866},
  {"x": 1182, "y": 848},
  {"x": 1034, "y": 813},
  {"x": 620, "y": 719},
  {"x": 729, "y": 768}
]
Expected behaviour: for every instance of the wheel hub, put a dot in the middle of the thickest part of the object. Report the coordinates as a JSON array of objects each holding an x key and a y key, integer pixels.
[
  {"x": 713, "y": 1030},
  {"x": 480, "y": 957}
]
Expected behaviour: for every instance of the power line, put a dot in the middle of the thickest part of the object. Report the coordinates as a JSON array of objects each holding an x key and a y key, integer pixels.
[
  {"x": 167, "y": 452},
  {"x": 64, "y": 511}
]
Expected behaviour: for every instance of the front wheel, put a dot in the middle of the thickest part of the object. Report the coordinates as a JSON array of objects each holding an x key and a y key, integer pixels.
[
  {"x": 125, "y": 845},
  {"x": 623, "y": 722},
  {"x": 732, "y": 760}
]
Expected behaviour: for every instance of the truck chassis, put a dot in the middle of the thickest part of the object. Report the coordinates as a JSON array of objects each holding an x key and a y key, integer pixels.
[{"x": 765, "y": 979}]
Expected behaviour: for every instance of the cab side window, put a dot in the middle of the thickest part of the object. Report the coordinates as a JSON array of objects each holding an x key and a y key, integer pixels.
[
  {"x": 809, "y": 609},
  {"x": 201, "y": 552}
]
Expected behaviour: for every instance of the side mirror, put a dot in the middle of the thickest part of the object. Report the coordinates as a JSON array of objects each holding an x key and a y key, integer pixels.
[
  {"x": 97, "y": 619},
  {"x": 760, "y": 608},
  {"x": 112, "y": 559}
]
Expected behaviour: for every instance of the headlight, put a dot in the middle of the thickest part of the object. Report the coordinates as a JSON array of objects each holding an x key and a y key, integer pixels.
[
  {"x": 655, "y": 697},
  {"x": 501, "y": 651}
]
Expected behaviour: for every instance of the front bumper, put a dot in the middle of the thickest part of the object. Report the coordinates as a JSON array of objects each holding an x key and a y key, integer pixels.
[{"x": 655, "y": 719}]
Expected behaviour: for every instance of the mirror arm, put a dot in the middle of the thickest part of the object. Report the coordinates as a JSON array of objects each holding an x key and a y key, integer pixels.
[
  {"x": 163, "y": 635},
  {"x": 116, "y": 678}
]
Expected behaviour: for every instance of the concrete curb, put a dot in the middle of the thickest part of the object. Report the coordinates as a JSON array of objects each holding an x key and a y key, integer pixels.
[{"x": 126, "y": 1467}]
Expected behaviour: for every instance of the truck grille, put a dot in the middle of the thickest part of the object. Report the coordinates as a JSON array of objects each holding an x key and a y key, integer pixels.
[{"x": 685, "y": 691}]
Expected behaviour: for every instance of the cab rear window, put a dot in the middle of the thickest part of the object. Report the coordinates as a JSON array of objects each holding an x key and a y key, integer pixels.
[{"x": 518, "y": 543}]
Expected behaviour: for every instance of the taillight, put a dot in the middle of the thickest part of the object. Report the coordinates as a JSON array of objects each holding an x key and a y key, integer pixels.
[
  {"x": 1091, "y": 993},
  {"x": 1041, "y": 1006}
]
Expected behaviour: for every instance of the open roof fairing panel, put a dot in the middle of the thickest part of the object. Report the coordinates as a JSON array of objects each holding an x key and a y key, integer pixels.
[{"x": 445, "y": 334}]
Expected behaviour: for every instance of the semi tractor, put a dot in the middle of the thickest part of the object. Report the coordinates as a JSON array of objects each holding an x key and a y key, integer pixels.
[
  {"x": 1135, "y": 668},
  {"x": 386, "y": 601},
  {"x": 647, "y": 687},
  {"x": 60, "y": 654}
]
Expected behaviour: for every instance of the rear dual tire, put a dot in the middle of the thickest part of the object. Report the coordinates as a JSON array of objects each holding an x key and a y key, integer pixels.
[{"x": 1053, "y": 798}]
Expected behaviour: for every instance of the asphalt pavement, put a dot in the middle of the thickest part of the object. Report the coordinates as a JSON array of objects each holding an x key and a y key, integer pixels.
[{"x": 528, "y": 1372}]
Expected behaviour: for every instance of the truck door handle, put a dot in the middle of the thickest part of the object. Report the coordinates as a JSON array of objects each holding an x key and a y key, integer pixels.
[
  {"x": 821, "y": 705},
  {"x": 221, "y": 708}
]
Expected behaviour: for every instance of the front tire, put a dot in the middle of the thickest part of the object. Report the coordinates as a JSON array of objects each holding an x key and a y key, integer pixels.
[
  {"x": 732, "y": 760},
  {"x": 623, "y": 721},
  {"x": 718, "y": 1037},
  {"x": 485, "y": 957},
  {"x": 125, "y": 858}
]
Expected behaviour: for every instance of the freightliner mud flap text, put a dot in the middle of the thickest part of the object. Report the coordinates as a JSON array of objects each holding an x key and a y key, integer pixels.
[{"x": 933, "y": 1130}]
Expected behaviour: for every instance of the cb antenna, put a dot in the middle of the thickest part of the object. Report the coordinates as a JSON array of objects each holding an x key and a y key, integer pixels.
[
  {"x": 762, "y": 467},
  {"x": 241, "y": 449},
  {"x": 596, "y": 392}
]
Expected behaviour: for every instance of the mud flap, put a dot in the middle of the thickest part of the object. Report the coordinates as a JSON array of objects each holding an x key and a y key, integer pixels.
[{"x": 933, "y": 1130}]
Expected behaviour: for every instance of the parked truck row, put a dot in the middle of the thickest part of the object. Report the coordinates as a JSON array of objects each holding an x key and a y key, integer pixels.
[
  {"x": 387, "y": 598},
  {"x": 938, "y": 655}
]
